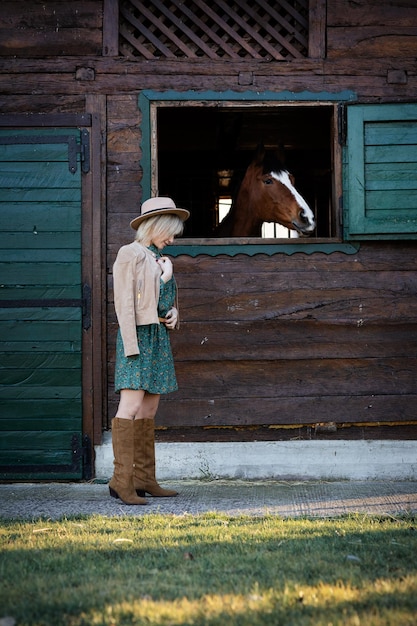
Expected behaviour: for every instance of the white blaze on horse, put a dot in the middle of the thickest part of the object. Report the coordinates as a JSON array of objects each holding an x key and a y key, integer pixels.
[{"x": 266, "y": 194}]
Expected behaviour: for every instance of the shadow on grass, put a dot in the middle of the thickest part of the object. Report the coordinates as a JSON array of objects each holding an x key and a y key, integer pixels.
[{"x": 210, "y": 570}]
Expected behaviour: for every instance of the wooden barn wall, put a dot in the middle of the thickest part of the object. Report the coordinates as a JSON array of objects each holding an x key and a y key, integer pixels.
[
  {"x": 298, "y": 346},
  {"x": 280, "y": 347}
]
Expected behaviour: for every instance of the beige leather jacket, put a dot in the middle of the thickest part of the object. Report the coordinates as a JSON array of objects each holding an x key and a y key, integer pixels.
[{"x": 136, "y": 283}]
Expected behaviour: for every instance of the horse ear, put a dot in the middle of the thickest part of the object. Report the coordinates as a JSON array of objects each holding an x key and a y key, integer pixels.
[
  {"x": 260, "y": 153},
  {"x": 280, "y": 153}
]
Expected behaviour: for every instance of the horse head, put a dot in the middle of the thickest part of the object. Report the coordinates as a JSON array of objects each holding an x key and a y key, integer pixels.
[{"x": 267, "y": 194}]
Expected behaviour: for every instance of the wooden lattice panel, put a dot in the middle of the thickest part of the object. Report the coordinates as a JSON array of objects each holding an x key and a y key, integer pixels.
[{"x": 214, "y": 29}]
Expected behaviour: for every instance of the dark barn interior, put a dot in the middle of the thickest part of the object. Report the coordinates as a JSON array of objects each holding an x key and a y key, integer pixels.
[{"x": 203, "y": 152}]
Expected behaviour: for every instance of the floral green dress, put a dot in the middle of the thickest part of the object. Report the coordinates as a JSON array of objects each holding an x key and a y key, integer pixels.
[{"x": 153, "y": 368}]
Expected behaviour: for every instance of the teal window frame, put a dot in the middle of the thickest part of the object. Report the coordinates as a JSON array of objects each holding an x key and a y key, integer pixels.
[
  {"x": 215, "y": 247},
  {"x": 380, "y": 166}
]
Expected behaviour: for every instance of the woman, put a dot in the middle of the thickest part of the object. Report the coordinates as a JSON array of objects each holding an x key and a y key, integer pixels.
[{"x": 144, "y": 299}]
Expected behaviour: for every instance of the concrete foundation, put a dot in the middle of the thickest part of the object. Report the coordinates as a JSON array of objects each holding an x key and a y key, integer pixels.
[{"x": 285, "y": 460}]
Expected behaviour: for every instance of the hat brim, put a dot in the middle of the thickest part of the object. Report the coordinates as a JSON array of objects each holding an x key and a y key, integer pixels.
[{"x": 182, "y": 214}]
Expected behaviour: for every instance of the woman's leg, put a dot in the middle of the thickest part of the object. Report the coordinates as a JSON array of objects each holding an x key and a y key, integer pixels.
[
  {"x": 144, "y": 470},
  {"x": 148, "y": 406},
  {"x": 121, "y": 484},
  {"x": 130, "y": 403}
]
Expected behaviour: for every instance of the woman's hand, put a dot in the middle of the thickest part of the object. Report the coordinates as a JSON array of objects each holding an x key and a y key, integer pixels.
[
  {"x": 171, "y": 318},
  {"x": 167, "y": 268}
]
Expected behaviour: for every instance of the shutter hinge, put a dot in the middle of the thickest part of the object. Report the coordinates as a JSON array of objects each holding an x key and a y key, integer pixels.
[
  {"x": 86, "y": 306},
  {"x": 82, "y": 148},
  {"x": 82, "y": 456},
  {"x": 87, "y": 458},
  {"x": 341, "y": 124}
]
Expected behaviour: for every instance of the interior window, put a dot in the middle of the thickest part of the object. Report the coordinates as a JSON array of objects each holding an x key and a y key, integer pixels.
[{"x": 203, "y": 150}]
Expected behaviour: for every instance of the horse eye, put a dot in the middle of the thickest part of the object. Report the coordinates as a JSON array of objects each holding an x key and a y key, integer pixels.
[{"x": 268, "y": 181}]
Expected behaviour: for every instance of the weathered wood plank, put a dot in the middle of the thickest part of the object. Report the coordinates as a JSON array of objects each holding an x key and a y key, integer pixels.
[
  {"x": 348, "y": 304},
  {"x": 35, "y": 457},
  {"x": 35, "y": 292},
  {"x": 59, "y": 421},
  {"x": 368, "y": 41},
  {"x": 273, "y": 339},
  {"x": 38, "y": 345},
  {"x": 52, "y": 255},
  {"x": 260, "y": 379},
  {"x": 389, "y": 154},
  {"x": 27, "y": 413},
  {"x": 30, "y": 440},
  {"x": 34, "y": 393},
  {"x": 51, "y": 175},
  {"x": 367, "y": 432},
  {"x": 370, "y": 256},
  {"x": 43, "y": 195},
  {"x": 51, "y": 14},
  {"x": 26, "y": 330},
  {"x": 46, "y": 273},
  {"x": 291, "y": 392},
  {"x": 352, "y": 69},
  {"x": 110, "y": 28},
  {"x": 352, "y": 306},
  {"x": 36, "y": 217},
  {"x": 366, "y": 87},
  {"x": 94, "y": 376},
  {"x": 393, "y": 134},
  {"x": 50, "y": 28},
  {"x": 52, "y": 360},
  {"x": 54, "y": 104},
  {"x": 60, "y": 42},
  {"x": 381, "y": 13},
  {"x": 47, "y": 378},
  {"x": 317, "y": 29},
  {"x": 25, "y": 153},
  {"x": 383, "y": 203},
  {"x": 342, "y": 410}
]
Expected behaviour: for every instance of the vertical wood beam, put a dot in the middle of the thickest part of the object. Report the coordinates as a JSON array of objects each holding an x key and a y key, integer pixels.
[
  {"x": 110, "y": 28},
  {"x": 317, "y": 29},
  {"x": 94, "y": 251}
]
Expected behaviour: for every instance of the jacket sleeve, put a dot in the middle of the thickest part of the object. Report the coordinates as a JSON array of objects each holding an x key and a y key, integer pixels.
[{"x": 124, "y": 286}]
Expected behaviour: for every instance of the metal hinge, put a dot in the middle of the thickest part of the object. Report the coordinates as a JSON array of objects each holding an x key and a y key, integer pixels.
[
  {"x": 82, "y": 456},
  {"x": 87, "y": 458},
  {"x": 342, "y": 123},
  {"x": 86, "y": 306},
  {"x": 82, "y": 148}
]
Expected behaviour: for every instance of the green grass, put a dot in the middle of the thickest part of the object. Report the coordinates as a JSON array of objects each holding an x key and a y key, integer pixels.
[{"x": 209, "y": 570}]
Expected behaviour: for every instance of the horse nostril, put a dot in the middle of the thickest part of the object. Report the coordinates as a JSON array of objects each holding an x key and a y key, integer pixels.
[{"x": 303, "y": 216}]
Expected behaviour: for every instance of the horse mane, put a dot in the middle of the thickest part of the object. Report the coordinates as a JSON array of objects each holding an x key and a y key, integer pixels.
[{"x": 272, "y": 163}]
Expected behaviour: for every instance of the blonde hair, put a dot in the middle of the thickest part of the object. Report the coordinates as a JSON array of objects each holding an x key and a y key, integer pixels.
[{"x": 168, "y": 225}]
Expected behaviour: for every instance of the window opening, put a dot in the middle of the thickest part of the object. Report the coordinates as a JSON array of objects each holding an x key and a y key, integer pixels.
[{"x": 201, "y": 153}]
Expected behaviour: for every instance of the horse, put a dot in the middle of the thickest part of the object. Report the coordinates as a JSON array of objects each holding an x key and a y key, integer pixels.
[{"x": 266, "y": 194}]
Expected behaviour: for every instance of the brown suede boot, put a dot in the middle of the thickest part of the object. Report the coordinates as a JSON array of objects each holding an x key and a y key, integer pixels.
[
  {"x": 144, "y": 461},
  {"x": 121, "y": 484}
]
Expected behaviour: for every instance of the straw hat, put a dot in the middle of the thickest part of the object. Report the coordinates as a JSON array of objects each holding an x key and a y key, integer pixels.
[{"x": 158, "y": 206}]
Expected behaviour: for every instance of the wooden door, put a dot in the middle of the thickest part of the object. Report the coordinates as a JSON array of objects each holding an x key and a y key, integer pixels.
[{"x": 41, "y": 304}]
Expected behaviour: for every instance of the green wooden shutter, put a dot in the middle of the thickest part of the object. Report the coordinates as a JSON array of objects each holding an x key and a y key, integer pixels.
[
  {"x": 380, "y": 190},
  {"x": 40, "y": 304}
]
